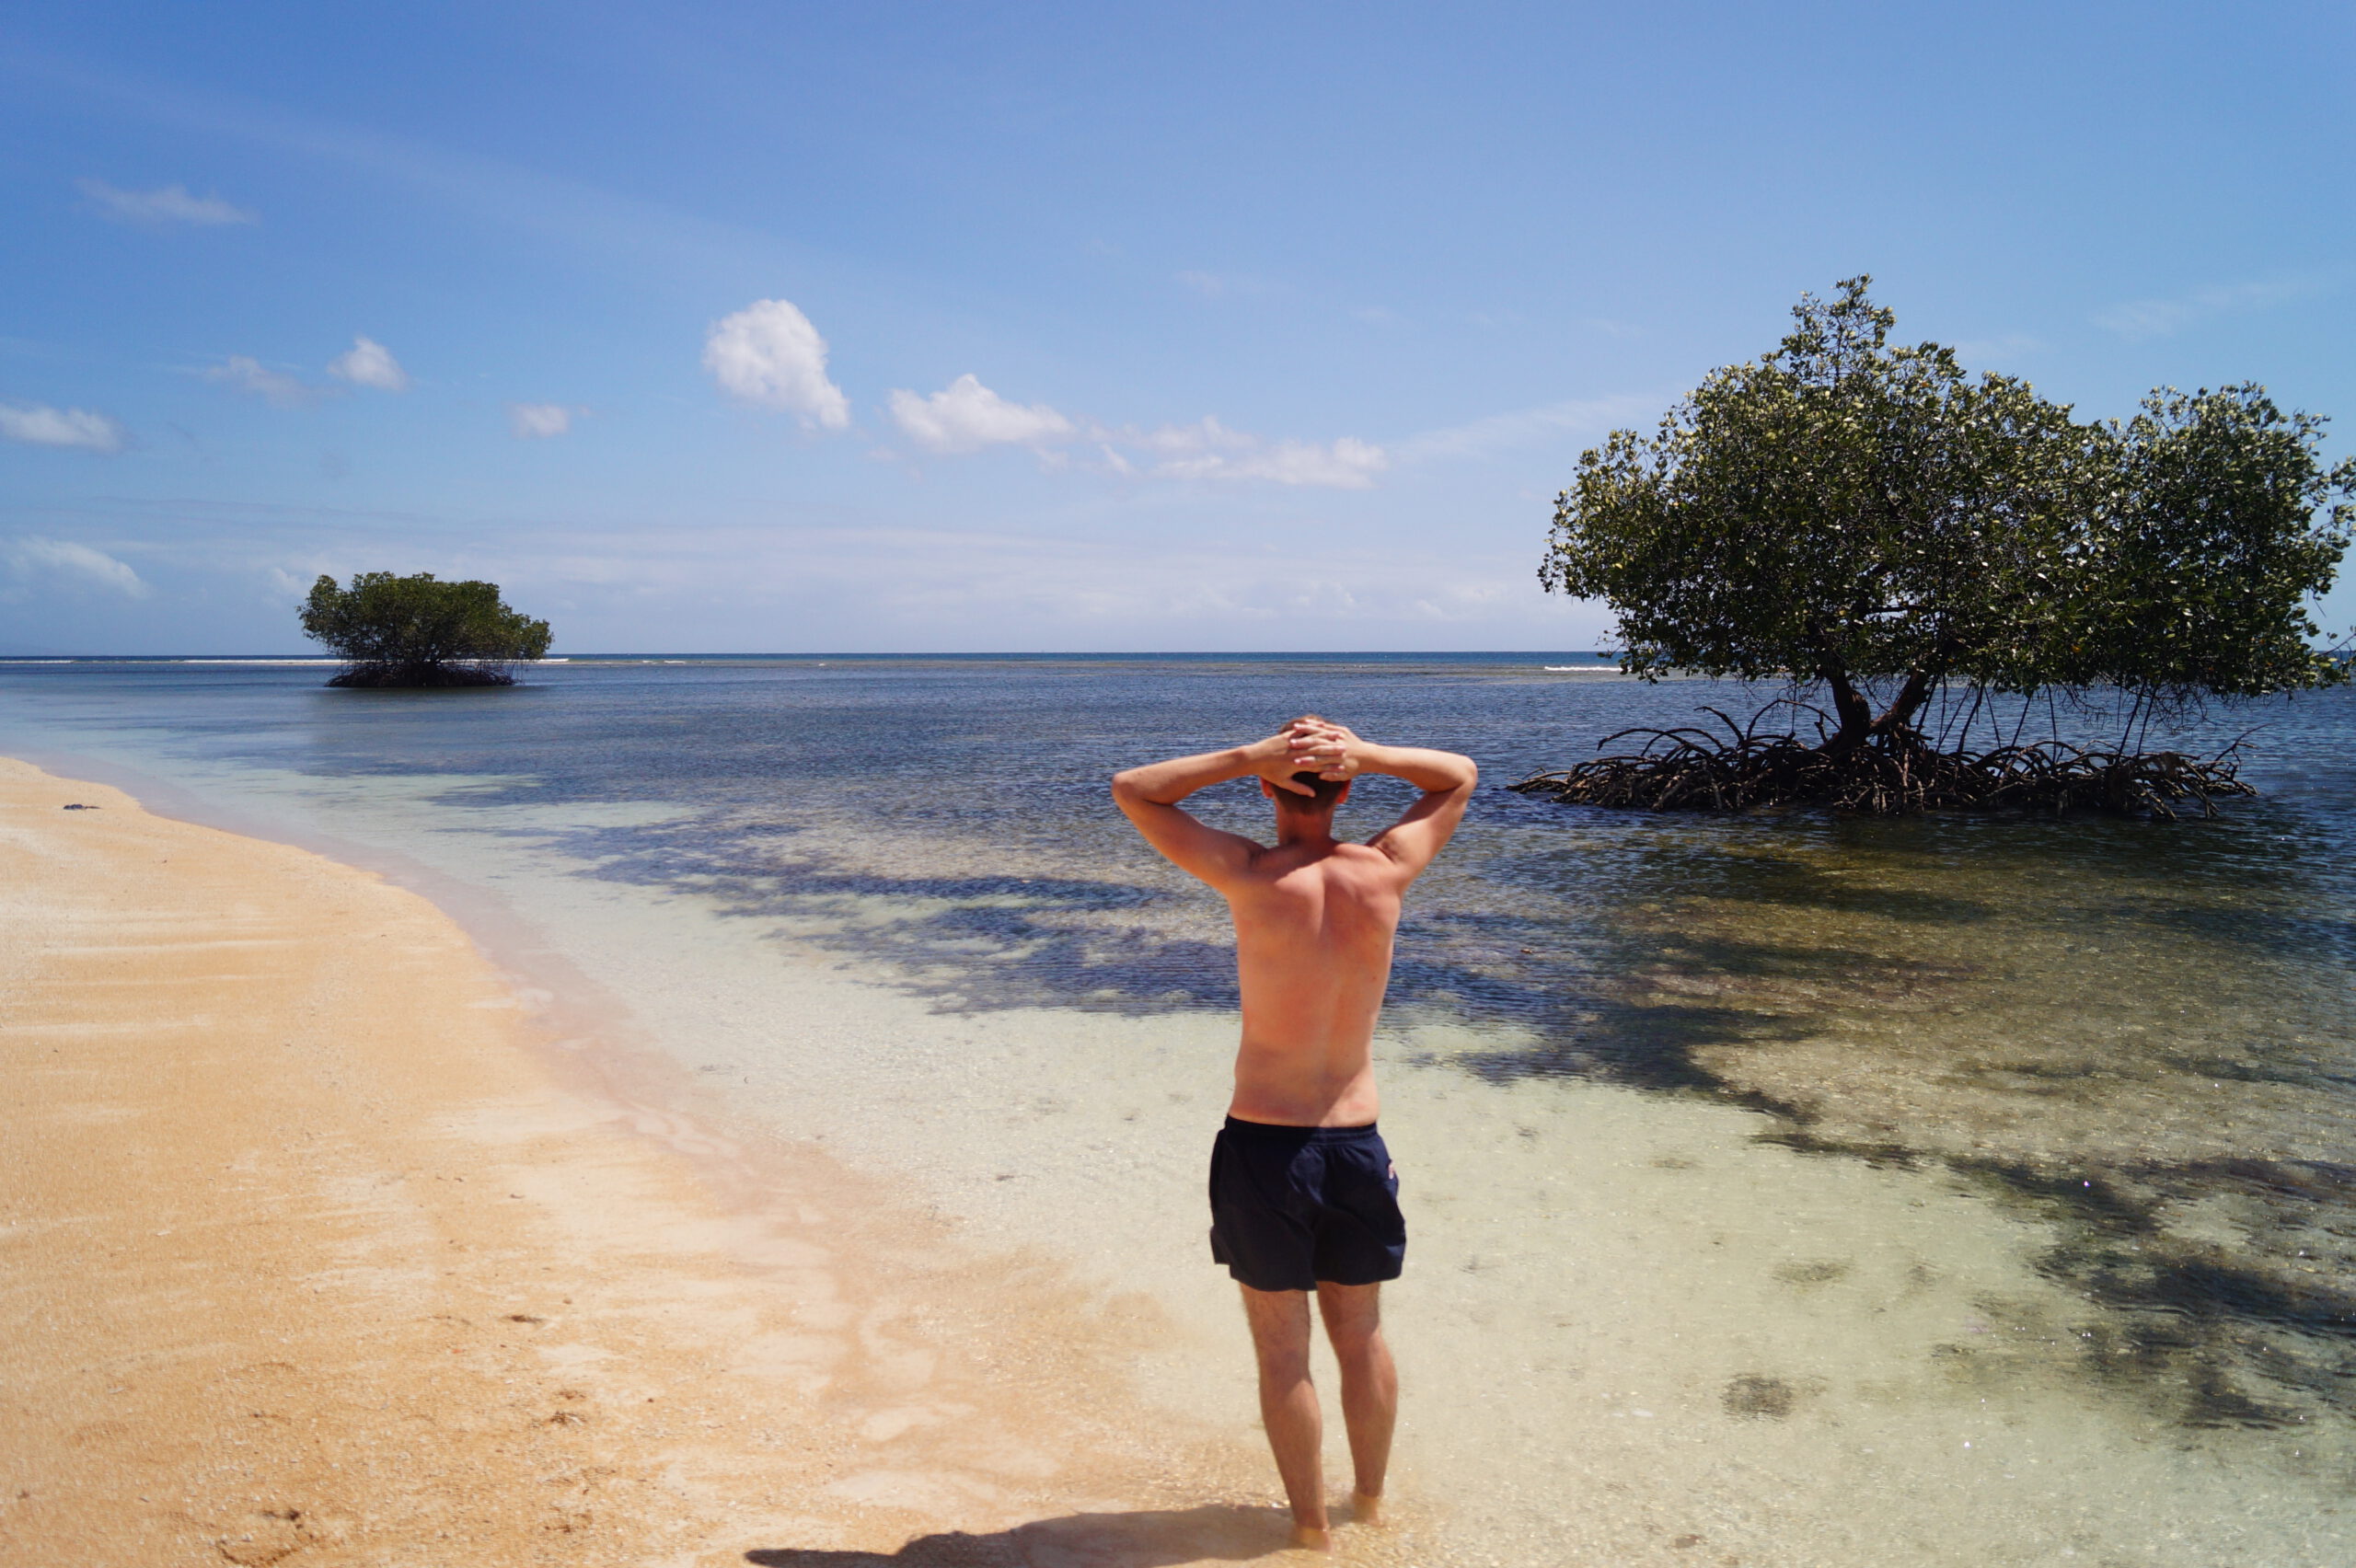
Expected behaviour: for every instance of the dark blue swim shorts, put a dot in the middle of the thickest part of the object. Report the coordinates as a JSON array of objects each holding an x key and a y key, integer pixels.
[{"x": 1294, "y": 1205}]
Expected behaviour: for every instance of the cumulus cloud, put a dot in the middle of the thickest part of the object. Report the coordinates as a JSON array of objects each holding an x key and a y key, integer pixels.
[
  {"x": 2139, "y": 319},
  {"x": 769, "y": 354},
  {"x": 79, "y": 562},
  {"x": 968, "y": 416},
  {"x": 536, "y": 421},
  {"x": 369, "y": 363},
  {"x": 166, "y": 205},
  {"x": 250, "y": 376},
  {"x": 37, "y": 424}
]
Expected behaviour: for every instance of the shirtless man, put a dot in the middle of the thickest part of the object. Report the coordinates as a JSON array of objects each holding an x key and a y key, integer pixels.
[{"x": 1304, "y": 1197}]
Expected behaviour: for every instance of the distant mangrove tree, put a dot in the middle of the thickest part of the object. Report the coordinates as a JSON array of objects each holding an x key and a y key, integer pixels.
[
  {"x": 419, "y": 631},
  {"x": 1895, "y": 540}
]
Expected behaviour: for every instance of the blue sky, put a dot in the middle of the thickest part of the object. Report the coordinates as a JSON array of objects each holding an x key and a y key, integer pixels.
[{"x": 878, "y": 327}]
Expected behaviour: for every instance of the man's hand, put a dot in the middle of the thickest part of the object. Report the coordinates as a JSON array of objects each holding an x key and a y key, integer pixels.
[
  {"x": 1327, "y": 749},
  {"x": 1293, "y": 749}
]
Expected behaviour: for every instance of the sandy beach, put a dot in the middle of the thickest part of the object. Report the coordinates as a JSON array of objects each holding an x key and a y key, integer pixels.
[{"x": 317, "y": 1251}]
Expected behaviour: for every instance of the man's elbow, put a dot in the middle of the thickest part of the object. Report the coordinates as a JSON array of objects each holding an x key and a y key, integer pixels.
[{"x": 1125, "y": 787}]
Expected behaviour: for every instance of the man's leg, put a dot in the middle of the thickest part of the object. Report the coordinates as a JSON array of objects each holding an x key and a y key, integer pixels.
[
  {"x": 1279, "y": 1321},
  {"x": 1369, "y": 1386}
]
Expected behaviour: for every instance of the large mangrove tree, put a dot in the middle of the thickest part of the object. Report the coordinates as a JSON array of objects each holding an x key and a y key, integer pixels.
[{"x": 1876, "y": 527}]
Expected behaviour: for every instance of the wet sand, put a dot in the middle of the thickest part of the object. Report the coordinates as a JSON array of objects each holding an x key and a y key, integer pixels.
[{"x": 315, "y": 1251}]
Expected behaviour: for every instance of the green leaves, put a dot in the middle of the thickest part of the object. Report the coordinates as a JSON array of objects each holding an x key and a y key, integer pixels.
[
  {"x": 1851, "y": 511},
  {"x": 418, "y": 624},
  {"x": 2206, "y": 549}
]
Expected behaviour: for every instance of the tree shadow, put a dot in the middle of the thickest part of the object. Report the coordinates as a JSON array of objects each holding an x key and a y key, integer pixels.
[{"x": 1145, "y": 1537}]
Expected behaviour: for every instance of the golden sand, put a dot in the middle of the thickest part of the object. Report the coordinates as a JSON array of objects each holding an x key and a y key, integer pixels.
[{"x": 313, "y": 1250}]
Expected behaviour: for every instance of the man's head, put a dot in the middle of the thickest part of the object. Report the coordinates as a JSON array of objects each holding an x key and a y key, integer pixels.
[{"x": 1323, "y": 796}]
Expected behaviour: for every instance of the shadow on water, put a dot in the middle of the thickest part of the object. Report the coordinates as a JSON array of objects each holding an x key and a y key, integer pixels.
[
  {"x": 965, "y": 943},
  {"x": 991, "y": 943},
  {"x": 978, "y": 943},
  {"x": 1145, "y": 1538}
]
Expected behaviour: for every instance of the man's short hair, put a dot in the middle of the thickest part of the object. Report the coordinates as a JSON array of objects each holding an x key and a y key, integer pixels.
[{"x": 1323, "y": 793}]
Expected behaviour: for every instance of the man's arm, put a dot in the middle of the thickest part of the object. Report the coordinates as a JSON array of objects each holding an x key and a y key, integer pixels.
[
  {"x": 1446, "y": 779},
  {"x": 1148, "y": 797}
]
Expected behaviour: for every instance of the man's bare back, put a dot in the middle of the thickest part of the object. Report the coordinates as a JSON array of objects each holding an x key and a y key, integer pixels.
[
  {"x": 1313, "y": 927},
  {"x": 1314, "y": 917},
  {"x": 1303, "y": 1194}
]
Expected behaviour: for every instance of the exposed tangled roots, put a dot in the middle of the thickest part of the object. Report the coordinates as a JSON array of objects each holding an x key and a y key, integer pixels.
[
  {"x": 1692, "y": 769},
  {"x": 434, "y": 673}
]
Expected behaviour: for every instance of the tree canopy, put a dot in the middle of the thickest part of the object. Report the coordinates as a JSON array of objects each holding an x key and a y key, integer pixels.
[
  {"x": 1874, "y": 518},
  {"x": 419, "y": 631}
]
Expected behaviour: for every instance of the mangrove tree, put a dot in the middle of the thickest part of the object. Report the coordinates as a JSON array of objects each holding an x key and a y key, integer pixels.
[{"x": 1874, "y": 527}]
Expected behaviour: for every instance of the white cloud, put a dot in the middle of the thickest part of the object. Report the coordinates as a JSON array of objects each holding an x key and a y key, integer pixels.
[
  {"x": 369, "y": 363},
  {"x": 1347, "y": 463},
  {"x": 968, "y": 416},
  {"x": 1526, "y": 427},
  {"x": 2145, "y": 319},
  {"x": 38, "y": 424},
  {"x": 166, "y": 205},
  {"x": 251, "y": 376},
  {"x": 64, "y": 557},
  {"x": 1209, "y": 450},
  {"x": 530, "y": 421},
  {"x": 768, "y": 354}
]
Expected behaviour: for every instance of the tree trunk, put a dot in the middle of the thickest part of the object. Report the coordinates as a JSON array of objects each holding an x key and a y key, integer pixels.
[
  {"x": 1910, "y": 696},
  {"x": 1849, "y": 705},
  {"x": 1859, "y": 726}
]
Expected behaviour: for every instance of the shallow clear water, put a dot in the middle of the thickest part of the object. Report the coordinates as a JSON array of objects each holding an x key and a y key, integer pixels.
[{"x": 2139, "y": 1039}]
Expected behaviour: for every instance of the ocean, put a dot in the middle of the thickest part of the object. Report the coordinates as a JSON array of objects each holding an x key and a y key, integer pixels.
[{"x": 1943, "y": 1189}]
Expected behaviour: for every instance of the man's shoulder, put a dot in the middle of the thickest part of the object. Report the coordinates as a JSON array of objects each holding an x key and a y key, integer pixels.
[
  {"x": 1354, "y": 863},
  {"x": 1273, "y": 862}
]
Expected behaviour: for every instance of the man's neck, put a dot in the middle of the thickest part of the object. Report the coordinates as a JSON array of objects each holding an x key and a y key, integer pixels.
[{"x": 1313, "y": 833}]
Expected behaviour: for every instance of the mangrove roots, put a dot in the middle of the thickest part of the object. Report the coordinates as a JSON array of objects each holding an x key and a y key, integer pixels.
[{"x": 1694, "y": 769}]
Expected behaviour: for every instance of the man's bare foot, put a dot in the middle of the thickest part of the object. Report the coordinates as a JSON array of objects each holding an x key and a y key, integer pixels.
[
  {"x": 1312, "y": 1538},
  {"x": 1365, "y": 1508}
]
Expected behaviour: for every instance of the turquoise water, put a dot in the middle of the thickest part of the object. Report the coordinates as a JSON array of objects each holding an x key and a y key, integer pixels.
[{"x": 2138, "y": 1039}]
